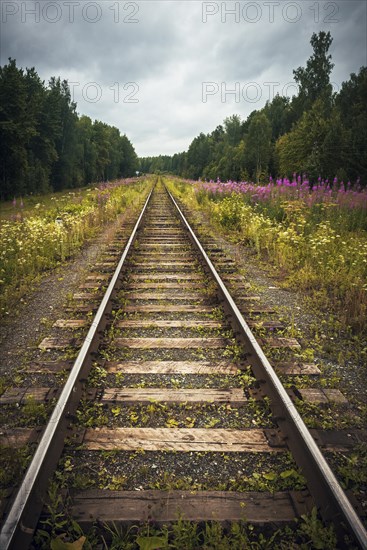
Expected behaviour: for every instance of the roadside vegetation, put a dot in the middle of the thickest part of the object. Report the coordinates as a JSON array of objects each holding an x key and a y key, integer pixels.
[
  {"x": 314, "y": 235},
  {"x": 38, "y": 233}
]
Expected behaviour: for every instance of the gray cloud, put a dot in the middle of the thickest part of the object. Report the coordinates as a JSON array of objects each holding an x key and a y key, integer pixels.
[{"x": 147, "y": 77}]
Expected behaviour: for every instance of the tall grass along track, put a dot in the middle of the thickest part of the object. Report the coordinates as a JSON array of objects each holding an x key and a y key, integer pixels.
[{"x": 165, "y": 410}]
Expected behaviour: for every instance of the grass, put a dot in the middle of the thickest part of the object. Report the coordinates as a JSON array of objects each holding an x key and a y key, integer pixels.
[
  {"x": 318, "y": 246},
  {"x": 59, "y": 531},
  {"x": 39, "y": 236},
  {"x": 12, "y": 467}
]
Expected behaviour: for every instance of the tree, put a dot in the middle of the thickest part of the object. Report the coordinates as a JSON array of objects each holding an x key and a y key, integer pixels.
[
  {"x": 279, "y": 116},
  {"x": 17, "y": 128},
  {"x": 301, "y": 150},
  {"x": 65, "y": 119},
  {"x": 233, "y": 129},
  {"x": 41, "y": 148},
  {"x": 85, "y": 170},
  {"x": 128, "y": 159},
  {"x": 314, "y": 79},
  {"x": 351, "y": 107},
  {"x": 258, "y": 146},
  {"x": 198, "y": 156}
]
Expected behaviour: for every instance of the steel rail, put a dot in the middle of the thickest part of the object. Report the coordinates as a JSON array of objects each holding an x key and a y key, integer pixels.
[
  {"x": 322, "y": 483},
  {"x": 21, "y": 521}
]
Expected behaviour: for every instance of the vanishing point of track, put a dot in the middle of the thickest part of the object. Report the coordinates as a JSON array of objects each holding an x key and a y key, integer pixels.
[{"x": 166, "y": 287}]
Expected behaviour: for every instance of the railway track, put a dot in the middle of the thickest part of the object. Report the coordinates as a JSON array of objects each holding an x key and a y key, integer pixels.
[{"x": 171, "y": 403}]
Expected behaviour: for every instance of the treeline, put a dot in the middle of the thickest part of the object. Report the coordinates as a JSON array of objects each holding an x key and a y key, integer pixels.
[
  {"x": 46, "y": 146},
  {"x": 317, "y": 132}
]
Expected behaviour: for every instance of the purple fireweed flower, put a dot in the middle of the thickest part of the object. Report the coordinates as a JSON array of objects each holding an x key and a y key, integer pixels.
[{"x": 299, "y": 188}]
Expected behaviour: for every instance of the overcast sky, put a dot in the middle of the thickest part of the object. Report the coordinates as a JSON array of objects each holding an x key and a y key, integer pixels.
[{"x": 163, "y": 71}]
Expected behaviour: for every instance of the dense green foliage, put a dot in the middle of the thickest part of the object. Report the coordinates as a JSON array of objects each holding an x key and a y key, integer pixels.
[
  {"x": 45, "y": 145},
  {"x": 317, "y": 132}
]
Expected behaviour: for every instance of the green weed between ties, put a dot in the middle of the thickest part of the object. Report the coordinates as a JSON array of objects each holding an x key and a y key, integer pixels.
[{"x": 59, "y": 532}]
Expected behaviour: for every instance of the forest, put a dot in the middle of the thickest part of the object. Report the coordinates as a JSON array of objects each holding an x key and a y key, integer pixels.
[
  {"x": 46, "y": 146},
  {"x": 318, "y": 132}
]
